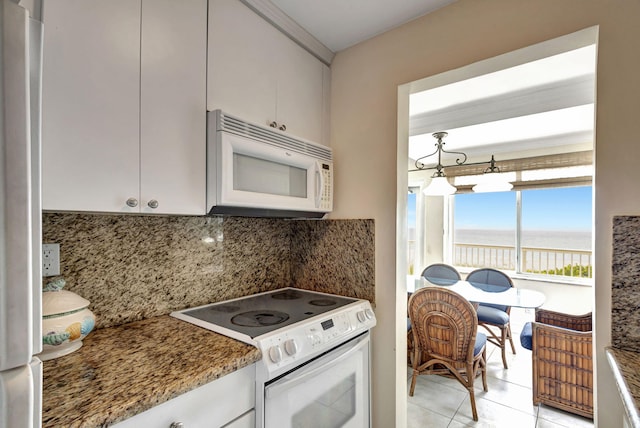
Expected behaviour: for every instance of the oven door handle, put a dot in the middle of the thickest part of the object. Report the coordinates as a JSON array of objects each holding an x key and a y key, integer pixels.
[{"x": 302, "y": 375}]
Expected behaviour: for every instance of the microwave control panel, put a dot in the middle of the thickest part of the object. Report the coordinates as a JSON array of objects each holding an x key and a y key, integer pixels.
[{"x": 326, "y": 198}]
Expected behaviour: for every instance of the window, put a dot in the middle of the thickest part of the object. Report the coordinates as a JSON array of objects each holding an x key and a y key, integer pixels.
[
  {"x": 531, "y": 232},
  {"x": 556, "y": 231},
  {"x": 484, "y": 230}
]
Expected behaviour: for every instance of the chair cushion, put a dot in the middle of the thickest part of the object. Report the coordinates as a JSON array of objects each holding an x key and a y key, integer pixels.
[
  {"x": 481, "y": 340},
  {"x": 492, "y": 278},
  {"x": 408, "y": 323},
  {"x": 440, "y": 281},
  {"x": 498, "y": 307},
  {"x": 492, "y": 315},
  {"x": 441, "y": 274},
  {"x": 526, "y": 336}
]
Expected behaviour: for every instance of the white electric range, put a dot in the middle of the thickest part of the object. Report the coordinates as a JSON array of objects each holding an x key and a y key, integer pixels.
[{"x": 315, "y": 354}]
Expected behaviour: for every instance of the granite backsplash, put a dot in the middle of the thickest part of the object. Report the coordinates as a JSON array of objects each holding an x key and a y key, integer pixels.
[
  {"x": 135, "y": 267},
  {"x": 625, "y": 292}
]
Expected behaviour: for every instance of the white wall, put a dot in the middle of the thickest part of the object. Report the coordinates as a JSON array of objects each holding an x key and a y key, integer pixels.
[
  {"x": 365, "y": 80},
  {"x": 434, "y": 231}
]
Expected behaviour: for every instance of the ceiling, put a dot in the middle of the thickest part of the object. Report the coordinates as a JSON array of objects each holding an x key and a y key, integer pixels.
[
  {"x": 537, "y": 108},
  {"x": 339, "y": 24},
  {"x": 543, "y": 107}
]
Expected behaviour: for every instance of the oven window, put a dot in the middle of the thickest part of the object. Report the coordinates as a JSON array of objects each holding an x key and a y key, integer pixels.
[
  {"x": 263, "y": 176},
  {"x": 332, "y": 409}
]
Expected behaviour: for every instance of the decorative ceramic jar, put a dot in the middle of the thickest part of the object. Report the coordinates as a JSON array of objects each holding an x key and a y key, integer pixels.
[{"x": 66, "y": 320}]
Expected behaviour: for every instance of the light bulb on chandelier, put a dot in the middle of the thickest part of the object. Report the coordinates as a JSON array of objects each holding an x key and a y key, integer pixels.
[{"x": 492, "y": 180}]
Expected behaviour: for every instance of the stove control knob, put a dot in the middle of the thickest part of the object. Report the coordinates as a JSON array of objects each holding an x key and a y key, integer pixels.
[
  {"x": 275, "y": 354},
  {"x": 291, "y": 347},
  {"x": 368, "y": 313},
  {"x": 361, "y": 316},
  {"x": 315, "y": 339}
]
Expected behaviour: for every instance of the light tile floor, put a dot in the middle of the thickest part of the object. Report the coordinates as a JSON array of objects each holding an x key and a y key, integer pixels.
[{"x": 443, "y": 402}]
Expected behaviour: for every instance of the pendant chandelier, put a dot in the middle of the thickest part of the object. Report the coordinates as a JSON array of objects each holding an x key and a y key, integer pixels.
[{"x": 490, "y": 181}]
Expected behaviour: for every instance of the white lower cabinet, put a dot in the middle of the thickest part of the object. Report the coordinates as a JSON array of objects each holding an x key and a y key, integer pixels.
[
  {"x": 248, "y": 420},
  {"x": 226, "y": 402}
]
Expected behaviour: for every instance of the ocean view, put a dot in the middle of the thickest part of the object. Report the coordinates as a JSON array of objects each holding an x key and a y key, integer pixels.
[
  {"x": 556, "y": 239},
  {"x": 542, "y": 249}
]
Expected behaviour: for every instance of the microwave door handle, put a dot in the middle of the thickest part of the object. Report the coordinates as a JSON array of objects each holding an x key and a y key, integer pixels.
[{"x": 319, "y": 185}]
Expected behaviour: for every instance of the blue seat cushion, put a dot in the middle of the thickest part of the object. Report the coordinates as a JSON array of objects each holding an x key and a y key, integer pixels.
[
  {"x": 526, "y": 336},
  {"x": 492, "y": 315},
  {"x": 499, "y": 307},
  {"x": 440, "y": 274},
  {"x": 481, "y": 340},
  {"x": 408, "y": 324},
  {"x": 440, "y": 281}
]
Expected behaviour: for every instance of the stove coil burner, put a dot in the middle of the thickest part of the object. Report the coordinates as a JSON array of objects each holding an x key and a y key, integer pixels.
[
  {"x": 322, "y": 302},
  {"x": 287, "y": 295},
  {"x": 259, "y": 318}
]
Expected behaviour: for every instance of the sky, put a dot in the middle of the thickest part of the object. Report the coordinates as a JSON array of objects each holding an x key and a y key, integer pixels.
[
  {"x": 568, "y": 208},
  {"x": 411, "y": 208}
]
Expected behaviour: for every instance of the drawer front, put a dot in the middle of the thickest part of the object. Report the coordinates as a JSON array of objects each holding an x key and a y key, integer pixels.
[{"x": 212, "y": 405}]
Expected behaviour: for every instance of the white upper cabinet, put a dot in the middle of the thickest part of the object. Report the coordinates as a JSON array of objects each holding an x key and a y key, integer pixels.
[
  {"x": 260, "y": 75},
  {"x": 90, "y": 105},
  {"x": 124, "y": 98},
  {"x": 299, "y": 91},
  {"x": 173, "y": 106}
]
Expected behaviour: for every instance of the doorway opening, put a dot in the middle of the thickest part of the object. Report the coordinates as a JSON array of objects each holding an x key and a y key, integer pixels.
[{"x": 533, "y": 110}]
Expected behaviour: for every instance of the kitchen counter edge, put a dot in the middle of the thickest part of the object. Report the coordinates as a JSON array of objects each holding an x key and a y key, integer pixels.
[
  {"x": 626, "y": 371},
  {"x": 122, "y": 371}
]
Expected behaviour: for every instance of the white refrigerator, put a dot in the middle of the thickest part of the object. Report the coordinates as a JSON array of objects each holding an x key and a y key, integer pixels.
[{"x": 20, "y": 218}]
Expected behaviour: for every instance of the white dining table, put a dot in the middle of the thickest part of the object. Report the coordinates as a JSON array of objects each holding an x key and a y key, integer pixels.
[{"x": 514, "y": 297}]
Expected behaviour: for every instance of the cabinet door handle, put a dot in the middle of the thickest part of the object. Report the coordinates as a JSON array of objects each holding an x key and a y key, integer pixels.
[
  {"x": 176, "y": 425},
  {"x": 153, "y": 204},
  {"x": 132, "y": 202},
  {"x": 283, "y": 127},
  {"x": 273, "y": 124}
]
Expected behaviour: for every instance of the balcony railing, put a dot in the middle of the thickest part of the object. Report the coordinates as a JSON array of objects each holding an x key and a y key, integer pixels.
[{"x": 545, "y": 261}]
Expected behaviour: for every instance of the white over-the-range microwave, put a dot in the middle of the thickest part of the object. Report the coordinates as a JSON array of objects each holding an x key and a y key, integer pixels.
[{"x": 258, "y": 171}]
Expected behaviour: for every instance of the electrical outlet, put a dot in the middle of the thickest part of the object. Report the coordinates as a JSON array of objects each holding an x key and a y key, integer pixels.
[{"x": 50, "y": 259}]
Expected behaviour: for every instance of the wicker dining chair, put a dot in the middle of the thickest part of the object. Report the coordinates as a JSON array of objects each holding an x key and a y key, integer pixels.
[
  {"x": 441, "y": 274},
  {"x": 562, "y": 357},
  {"x": 491, "y": 316},
  {"x": 446, "y": 339}
]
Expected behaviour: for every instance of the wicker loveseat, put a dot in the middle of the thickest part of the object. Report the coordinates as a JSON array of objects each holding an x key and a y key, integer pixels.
[{"x": 562, "y": 347}]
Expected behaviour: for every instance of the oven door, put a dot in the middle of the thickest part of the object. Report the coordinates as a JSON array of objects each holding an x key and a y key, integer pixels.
[{"x": 331, "y": 391}]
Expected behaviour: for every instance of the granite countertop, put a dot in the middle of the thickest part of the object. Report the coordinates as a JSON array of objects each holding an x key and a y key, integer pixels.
[
  {"x": 122, "y": 371},
  {"x": 626, "y": 370}
]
